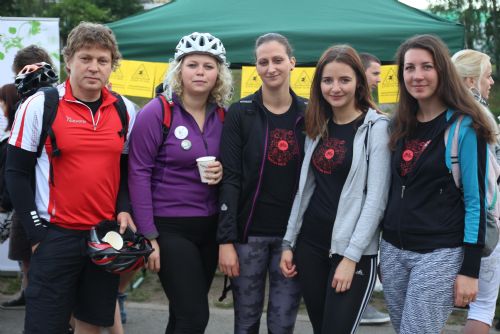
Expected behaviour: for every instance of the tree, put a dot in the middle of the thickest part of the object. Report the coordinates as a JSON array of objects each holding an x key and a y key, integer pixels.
[
  {"x": 481, "y": 21},
  {"x": 72, "y": 12},
  {"x": 119, "y": 8}
]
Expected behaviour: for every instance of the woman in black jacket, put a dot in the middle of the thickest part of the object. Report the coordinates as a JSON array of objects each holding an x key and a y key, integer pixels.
[{"x": 261, "y": 151}]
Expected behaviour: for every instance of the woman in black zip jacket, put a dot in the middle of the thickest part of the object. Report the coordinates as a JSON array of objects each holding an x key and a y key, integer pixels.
[
  {"x": 261, "y": 151},
  {"x": 433, "y": 233}
]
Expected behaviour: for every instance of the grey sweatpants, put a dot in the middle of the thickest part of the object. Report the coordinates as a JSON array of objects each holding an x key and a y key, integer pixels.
[
  {"x": 419, "y": 287},
  {"x": 257, "y": 258}
]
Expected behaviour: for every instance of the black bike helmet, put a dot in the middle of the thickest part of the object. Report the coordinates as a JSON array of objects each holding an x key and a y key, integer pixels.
[
  {"x": 132, "y": 255},
  {"x": 27, "y": 83}
]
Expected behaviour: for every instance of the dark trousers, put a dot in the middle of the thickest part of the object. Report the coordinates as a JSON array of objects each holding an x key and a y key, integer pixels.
[
  {"x": 63, "y": 280},
  {"x": 188, "y": 258},
  {"x": 329, "y": 311}
]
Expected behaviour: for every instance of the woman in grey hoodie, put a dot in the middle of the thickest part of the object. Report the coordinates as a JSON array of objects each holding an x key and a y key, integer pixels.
[{"x": 332, "y": 237}]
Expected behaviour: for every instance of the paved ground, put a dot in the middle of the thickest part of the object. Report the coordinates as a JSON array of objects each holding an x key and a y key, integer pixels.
[{"x": 146, "y": 318}]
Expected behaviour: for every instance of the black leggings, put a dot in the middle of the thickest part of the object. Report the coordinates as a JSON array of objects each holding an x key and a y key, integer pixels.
[
  {"x": 188, "y": 258},
  {"x": 329, "y": 311}
]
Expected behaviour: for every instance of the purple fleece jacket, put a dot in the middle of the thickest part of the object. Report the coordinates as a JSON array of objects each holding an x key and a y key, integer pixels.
[{"x": 163, "y": 177}]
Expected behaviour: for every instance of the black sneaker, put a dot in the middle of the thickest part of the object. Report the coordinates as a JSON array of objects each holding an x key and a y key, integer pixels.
[{"x": 14, "y": 304}]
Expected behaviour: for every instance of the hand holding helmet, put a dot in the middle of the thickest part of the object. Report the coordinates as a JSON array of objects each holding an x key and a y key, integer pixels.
[
  {"x": 34, "y": 76},
  {"x": 115, "y": 252}
]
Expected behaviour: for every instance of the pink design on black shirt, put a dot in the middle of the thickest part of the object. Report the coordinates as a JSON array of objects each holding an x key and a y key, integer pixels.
[
  {"x": 329, "y": 155},
  {"x": 412, "y": 151},
  {"x": 282, "y": 147}
]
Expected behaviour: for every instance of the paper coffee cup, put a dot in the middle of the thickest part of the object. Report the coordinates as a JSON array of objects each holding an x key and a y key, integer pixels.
[{"x": 202, "y": 163}]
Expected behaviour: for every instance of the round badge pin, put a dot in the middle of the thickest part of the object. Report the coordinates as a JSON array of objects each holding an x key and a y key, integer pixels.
[
  {"x": 186, "y": 144},
  {"x": 181, "y": 132}
]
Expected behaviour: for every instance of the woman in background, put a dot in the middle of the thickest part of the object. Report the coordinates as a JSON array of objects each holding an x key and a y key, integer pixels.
[{"x": 474, "y": 68}]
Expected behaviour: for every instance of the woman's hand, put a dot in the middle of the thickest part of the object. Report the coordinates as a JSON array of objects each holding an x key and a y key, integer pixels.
[
  {"x": 228, "y": 260},
  {"x": 465, "y": 290},
  {"x": 154, "y": 258},
  {"x": 343, "y": 275},
  {"x": 286, "y": 264},
  {"x": 213, "y": 173}
]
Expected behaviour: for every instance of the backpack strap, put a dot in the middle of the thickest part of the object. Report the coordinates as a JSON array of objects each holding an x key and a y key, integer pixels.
[
  {"x": 49, "y": 115},
  {"x": 166, "y": 112},
  {"x": 50, "y": 106},
  {"x": 121, "y": 108},
  {"x": 167, "y": 116},
  {"x": 452, "y": 142},
  {"x": 221, "y": 113}
]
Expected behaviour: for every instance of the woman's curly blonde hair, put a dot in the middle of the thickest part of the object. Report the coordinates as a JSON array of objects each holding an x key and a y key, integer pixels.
[{"x": 221, "y": 93}]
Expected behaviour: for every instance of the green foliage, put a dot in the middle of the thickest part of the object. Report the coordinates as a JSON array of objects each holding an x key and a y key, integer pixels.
[
  {"x": 72, "y": 12},
  {"x": 119, "y": 9},
  {"x": 481, "y": 19}
]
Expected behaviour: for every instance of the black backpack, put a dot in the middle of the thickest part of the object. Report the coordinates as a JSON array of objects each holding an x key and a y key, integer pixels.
[{"x": 49, "y": 115}]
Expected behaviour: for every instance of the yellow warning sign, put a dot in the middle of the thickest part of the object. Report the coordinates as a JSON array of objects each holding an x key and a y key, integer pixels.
[
  {"x": 301, "y": 80},
  {"x": 388, "y": 87},
  {"x": 137, "y": 78},
  {"x": 161, "y": 70},
  {"x": 250, "y": 80},
  {"x": 141, "y": 74}
]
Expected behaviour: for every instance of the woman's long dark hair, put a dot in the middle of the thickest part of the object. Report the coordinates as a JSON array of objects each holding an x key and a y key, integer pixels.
[
  {"x": 318, "y": 109},
  {"x": 450, "y": 90},
  {"x": 9, "y": 96}
]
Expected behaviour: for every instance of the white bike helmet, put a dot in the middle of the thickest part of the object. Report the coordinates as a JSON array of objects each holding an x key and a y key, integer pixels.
[{"x": 200, "y": 43}]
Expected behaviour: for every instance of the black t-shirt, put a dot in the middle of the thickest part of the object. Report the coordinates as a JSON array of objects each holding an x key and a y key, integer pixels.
[
  {"x": 414, "y": 146},
  {"x": 281, "y": 170},
  {"x": 330, "y": 162},
  {"x": 94, "y": 105}
]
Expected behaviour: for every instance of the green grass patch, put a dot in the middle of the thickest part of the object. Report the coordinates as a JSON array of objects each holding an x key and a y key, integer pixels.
[{"x": 10, "y": 285}]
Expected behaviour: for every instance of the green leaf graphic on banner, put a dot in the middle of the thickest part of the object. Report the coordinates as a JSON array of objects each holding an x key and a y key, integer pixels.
[{"x": 35, "y": 27}]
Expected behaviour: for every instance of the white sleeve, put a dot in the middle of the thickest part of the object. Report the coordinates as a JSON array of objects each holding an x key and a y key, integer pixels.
[
  {"x": 132, "y": 110},
  {"x": 25, "y": 132}
]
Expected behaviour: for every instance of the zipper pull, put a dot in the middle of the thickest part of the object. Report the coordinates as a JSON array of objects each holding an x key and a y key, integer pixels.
[
  {"x": 330, "y": 254},
  {"x": 403, "y": 191}
]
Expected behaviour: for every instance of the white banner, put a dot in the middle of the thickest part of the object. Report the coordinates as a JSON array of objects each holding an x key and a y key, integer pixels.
[{"x": 19, "y": 32}]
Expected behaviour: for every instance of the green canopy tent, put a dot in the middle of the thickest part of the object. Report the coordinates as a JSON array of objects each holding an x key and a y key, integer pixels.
[{"x": 374, "y": 26}]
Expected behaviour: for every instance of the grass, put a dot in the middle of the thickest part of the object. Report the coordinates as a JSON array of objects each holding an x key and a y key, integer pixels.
[{"x": 10, "y": 285}]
